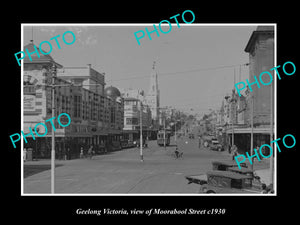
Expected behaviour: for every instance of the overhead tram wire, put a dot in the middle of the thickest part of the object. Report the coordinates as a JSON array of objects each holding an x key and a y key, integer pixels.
[{"x": 179, "y": 72}]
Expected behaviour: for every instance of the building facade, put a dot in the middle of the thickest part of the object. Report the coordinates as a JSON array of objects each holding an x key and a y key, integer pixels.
[
  {"x": 96, "y": 115},
  {"x": 261, "y": 58},
  {"x": 238, "y": 111},
  {"x": 132, "y": 114}
]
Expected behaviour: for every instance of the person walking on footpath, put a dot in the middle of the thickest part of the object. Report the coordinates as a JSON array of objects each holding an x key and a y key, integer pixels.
[
  {"x": 234, "y": 151},
  {"x": 176, "y": 152},
  {"x": 81, "y": 153},
  {"x": 68, "y": 153},
  {"x": 90, "y": 152},
  {"x": 24, "y": 155},
  {"x": 263, "y": 152},
  {"x": 64, "y": 153}
]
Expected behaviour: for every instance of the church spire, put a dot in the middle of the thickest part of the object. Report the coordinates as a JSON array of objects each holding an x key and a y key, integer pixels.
[{"x": 153, "y": 95}]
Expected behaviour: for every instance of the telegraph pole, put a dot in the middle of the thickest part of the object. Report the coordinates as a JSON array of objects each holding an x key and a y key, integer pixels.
[
  {"x": 165, "y": 131},
  {"x": 271, "y": 139},
  {"x": 141, "y": 132},
  {"x": 175, "y": 132},
  {"x": 53, "y": 71},
  {"x": 252, "y": 121}
]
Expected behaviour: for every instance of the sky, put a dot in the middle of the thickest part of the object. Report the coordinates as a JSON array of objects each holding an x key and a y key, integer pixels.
[{"x": 195, "y": 63}]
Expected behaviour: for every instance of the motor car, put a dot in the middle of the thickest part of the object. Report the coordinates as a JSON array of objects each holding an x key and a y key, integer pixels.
[
  {"x": 226, "y": 182},
  {"x": 127, "y": 144},
  {"x": 215, "y": 145},
  {"x": 191, "y": 136},
  {"x": 137, "y": 143},
  {"x": 225, "y": 165}
]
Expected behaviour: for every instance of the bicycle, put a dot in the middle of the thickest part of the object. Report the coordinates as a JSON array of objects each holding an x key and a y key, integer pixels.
[{"x": 177, "y": 154}]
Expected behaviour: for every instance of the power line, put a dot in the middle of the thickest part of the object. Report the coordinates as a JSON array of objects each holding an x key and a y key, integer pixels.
[{"x": 179, "y": 72}]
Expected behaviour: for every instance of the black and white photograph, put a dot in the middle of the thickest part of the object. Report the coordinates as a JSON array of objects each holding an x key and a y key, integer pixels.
[
  {"x": 150, "y": 113},
  {"x": 180, "y": 109}
]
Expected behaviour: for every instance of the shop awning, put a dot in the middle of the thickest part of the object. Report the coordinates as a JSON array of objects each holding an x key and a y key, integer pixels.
[{"x": 247, "y": 130}]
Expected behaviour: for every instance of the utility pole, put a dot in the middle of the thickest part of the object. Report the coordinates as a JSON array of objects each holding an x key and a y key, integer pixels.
[
  {"x": 141, "y": 132},
  {"x": 232, "y": 126},
  {"x": 53, "y": 71},
  {"x": 175, "y": 132},
  {"x": 271, "y": 138},
  {"x": 233, "y": 107},
  {"x": 252, "y": 121},
  {"x": 165, "y": 131}
]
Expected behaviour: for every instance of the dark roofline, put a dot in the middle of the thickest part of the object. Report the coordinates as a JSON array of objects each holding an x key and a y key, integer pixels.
[
  {"x": 43, "y": 61},
  {"x": 254, "y": 36},
  {"x": 130, "y": 99}
]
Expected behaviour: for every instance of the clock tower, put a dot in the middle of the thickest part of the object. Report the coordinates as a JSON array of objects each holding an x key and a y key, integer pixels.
[{"x": 152, "y": 97}]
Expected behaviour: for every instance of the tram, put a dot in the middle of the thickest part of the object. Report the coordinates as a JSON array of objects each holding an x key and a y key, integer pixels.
[{"x": 163, "y": 137}]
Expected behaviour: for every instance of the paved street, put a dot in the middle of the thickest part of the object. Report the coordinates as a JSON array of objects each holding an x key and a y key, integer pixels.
[{"x": 122, "y": 172}]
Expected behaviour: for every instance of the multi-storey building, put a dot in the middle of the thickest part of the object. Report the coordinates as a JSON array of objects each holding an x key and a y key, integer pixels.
[
  {"x": 134, "y": 110},
  {"x": 96, "y": 114},
  {"x": 256, "y": 105}
]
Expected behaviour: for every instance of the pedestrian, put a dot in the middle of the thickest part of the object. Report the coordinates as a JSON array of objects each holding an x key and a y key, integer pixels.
[
  {"x": 24, "y": 154},
  {"x": 60, "y": 154},
  {"x": 234, "y": 151},
  {"x": 176, "y": 152},
  {"x": 68, "y": 153},
  {"x": 64, "y": 154},
  {"x": 199, "y": 144},
  {"x": 146, "y": 142},
  {"x": 229, "y": 148},
  {"x": 90, "y": 152},
  {"x": 81, "y": 153},
  {"x": 205, "y": 144},
  {"x": 105, "y": 146}
]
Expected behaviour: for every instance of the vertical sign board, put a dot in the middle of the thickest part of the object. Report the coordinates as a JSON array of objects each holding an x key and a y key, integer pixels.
[{"x": 29, "y": 103}]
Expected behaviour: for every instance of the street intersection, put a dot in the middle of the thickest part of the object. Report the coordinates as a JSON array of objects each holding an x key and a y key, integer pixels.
[{"x": 122, "y": 172}]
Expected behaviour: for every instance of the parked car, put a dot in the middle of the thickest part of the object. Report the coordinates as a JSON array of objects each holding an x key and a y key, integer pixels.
[
  {"x": 225, "y": 165},
  {"x": 226, "y": 182},
  {"x": 127, "y": 144},
  {"x": 215, "y": 145},
  {"x": 137, "y": 143},
  {"x": 227, "y": 178},
  {"x": 191, "y": 136}
]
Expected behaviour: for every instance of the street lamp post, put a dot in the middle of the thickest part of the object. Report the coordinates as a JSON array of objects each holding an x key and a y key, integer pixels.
[
  {"x": 175, "y": 133},
  {"x": 141, "y": 132},
  {"x": 53, "y": 71},
  {"x": 232, "y": 126},
  {"x": 252, "y": 119},
  {"x": 271, "y": 137},
  {"x": 164, "y": 131}
]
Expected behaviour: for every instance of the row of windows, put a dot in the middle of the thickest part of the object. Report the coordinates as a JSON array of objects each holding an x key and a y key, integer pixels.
[
  {"x": 132, "y": 121},
  {"x": 80, "y": 103}
]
